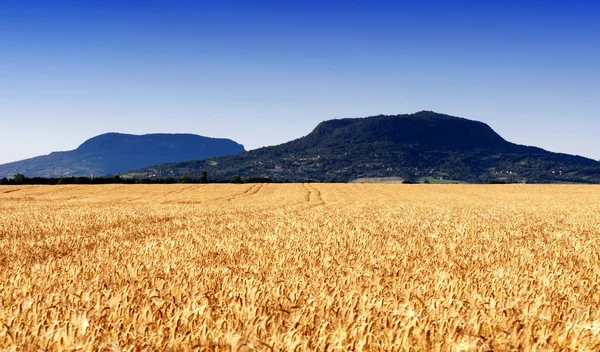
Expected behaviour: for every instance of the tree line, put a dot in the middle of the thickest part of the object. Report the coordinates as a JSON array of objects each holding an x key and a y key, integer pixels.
[{"x": 20, "y": 179}]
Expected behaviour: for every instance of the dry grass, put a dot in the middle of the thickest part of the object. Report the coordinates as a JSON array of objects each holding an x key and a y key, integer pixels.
[{"x": 306, "y": 267}]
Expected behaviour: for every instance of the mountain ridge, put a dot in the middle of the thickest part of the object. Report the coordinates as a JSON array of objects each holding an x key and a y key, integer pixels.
[
  {"x": 113, "y": 152},
  {"x": 414, "y": 146}
]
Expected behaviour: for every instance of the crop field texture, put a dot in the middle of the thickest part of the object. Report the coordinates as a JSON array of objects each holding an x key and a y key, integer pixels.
[{"x": 300, "y": 267}]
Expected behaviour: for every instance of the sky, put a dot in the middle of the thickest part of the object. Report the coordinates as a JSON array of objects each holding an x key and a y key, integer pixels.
[{"x": 266, "y": 72}]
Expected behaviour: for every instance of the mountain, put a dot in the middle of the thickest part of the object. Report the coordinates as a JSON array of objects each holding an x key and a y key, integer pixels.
[
  {"x": 113, "y": 153},
  {"x": 420, "y": 146}
]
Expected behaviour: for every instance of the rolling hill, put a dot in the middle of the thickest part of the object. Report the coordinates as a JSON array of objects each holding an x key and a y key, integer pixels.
[
  {"x": 420, "y": 146},
  {"x": 113, "y": 153}
]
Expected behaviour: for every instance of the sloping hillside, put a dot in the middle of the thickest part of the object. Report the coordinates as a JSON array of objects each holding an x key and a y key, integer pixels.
[
  {"x": 414, "y": 146},
  {"x": 114, "y": 153}
]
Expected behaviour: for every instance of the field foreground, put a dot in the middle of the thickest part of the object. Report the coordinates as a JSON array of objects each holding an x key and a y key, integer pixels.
[{"x": 300, "y": 266}]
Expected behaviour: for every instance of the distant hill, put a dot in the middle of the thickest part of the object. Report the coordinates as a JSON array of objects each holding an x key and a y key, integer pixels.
[
  {"x": 420, "y": 146},
  {"x": 113, "y": 153}
]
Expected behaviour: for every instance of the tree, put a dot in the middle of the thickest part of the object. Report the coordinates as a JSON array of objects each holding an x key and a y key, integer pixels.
[
  {"x": 497, "y": 182},
  {"x": 407, "y": 177},
  {"x": 204, "y": 177},
  {"x": 19, "y": 179},
  {"x": 184, "y": 179}
]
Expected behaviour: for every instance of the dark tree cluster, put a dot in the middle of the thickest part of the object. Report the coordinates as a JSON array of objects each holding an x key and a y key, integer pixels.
[{"x": 20, "y": 179}]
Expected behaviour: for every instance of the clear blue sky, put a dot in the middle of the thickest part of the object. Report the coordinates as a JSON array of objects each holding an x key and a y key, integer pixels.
[{"x": 265, "y": 72}]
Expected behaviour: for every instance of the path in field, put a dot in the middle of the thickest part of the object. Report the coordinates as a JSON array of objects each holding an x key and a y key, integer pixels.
[{"x": 313, "y": 195}]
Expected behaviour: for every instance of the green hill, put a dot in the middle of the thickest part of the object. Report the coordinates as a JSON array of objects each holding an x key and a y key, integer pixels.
[{"x": 414, "y": 146}]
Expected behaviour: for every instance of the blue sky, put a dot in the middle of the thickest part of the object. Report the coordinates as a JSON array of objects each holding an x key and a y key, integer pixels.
[{"x": 265, "y": 72}]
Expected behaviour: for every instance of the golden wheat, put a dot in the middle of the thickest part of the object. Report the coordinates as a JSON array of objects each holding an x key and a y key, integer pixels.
[{"x": 300, "y": 267}]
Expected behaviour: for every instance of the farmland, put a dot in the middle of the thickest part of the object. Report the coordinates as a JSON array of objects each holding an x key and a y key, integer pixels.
[{"x": 306, "y": 266}]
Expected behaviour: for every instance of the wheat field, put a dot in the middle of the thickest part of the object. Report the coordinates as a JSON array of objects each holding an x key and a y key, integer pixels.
[{"x": 300, "y": 267}]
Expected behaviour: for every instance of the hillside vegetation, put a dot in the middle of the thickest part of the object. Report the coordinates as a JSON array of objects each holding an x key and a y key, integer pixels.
[{"x": 415, "y": 146}]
